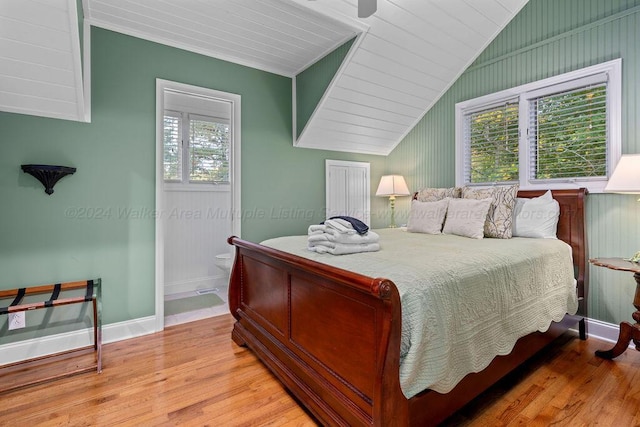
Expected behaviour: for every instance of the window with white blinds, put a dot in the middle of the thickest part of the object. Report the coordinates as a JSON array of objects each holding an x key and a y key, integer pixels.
[
  {"x": 492, "y": 147},
  {"x": 559, "y": 132},
  {"x": 196, "y": 148},
  {"x": 172, "y": 153},
  {"x": 567, "y": 133},
  {"x": 208, "y": 150}
]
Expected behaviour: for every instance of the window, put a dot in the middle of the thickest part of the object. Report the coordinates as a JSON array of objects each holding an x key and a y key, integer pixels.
[
  {"x": 493, "y": 143},
  {"x": 547, "y": 134},
  {"x": 196, "y": 133},
  {"x": 208, "y": 150},
  {"x": 172, "y": 146},
  {"x": 196, "y": 148}
]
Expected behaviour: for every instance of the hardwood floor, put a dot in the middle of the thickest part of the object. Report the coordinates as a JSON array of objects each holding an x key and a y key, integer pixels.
[{"x": 193, "y": 375}]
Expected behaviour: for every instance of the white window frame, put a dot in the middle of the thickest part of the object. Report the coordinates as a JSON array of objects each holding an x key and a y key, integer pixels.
[
  {"x": 612, "y": 70},
  {"x": 185, "y": 182}
]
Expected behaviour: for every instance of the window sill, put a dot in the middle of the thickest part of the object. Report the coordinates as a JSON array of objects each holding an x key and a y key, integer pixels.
[
  {"x": 172, "y": 186},
  {"x": 593, "y": 187}
]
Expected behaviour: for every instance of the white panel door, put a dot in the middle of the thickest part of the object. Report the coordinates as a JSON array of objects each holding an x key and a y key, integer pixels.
[{"x": 348, "y": 189}]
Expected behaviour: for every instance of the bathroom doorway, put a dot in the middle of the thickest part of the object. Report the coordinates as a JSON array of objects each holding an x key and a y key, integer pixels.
[{"x": 197, "y": 189}]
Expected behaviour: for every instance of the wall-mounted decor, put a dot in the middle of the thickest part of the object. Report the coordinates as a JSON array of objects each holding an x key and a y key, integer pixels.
[{"x": 48, "y": 175}]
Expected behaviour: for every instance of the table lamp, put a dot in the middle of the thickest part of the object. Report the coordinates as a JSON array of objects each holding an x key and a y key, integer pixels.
[
  {"x": 626, "y": 180},
  {"x": 392, "y": 186}
]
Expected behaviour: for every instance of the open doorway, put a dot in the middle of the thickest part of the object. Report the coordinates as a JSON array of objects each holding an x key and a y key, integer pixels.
[{"x": 197, "y": 199}]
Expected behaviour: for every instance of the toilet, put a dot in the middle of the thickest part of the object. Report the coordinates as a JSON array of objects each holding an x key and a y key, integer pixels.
[{"x": 223, "y": 261}]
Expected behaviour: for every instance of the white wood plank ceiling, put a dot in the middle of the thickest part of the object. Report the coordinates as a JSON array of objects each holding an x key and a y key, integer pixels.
[
  {"x": 412, "y": 52},
  {"x": 40, "y": 64},
  {"x": 279, "y": 36},
  {"x": 405, "y": 57}
]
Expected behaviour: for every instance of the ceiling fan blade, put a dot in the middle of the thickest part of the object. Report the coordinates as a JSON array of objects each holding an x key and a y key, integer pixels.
[{"x": 366, "y": 8}]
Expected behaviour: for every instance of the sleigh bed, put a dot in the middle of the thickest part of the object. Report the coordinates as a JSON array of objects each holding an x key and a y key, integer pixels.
[{"x": 333, "y": 337}]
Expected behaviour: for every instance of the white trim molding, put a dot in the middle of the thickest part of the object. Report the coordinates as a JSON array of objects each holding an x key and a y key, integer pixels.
[
  {"x": 86, "y": 70},
  {"x": 603, "y": 331},
  {"x": 44, "y": 346},
  {"x": 38, "y": 347}
]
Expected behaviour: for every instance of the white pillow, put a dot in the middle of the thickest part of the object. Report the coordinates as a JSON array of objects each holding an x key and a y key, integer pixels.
[
  {"x": 536, "y": 217},
  {"x": 466, "y": 217},
  {"x": 427, "y": 217}
]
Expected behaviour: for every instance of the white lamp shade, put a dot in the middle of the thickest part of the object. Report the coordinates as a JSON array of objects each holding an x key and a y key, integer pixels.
[
  {"x": 626, "y": 176},
  {"x": 392, "y": 185}
]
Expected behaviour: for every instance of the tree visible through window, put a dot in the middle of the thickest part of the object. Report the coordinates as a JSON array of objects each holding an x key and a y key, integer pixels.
[
  {"x": 493, "y": 141},
  {"x": 570, "y": 134},
  {"x": 564, "y": 129},
  {"x": 197, "y": 152},
  {"x": 208, "y": 151}
]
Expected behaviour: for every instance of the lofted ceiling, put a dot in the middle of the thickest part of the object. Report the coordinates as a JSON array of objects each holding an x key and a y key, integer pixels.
[
  {"x": 40, "y": 63},
  {"x": 278, "y": 36},
  {"x": 406, "y": 55},
  {"x": 411, "y": 53}
]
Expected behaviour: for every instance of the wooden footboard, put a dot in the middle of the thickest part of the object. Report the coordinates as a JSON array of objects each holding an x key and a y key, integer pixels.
[{"x": 331, "y": 336}]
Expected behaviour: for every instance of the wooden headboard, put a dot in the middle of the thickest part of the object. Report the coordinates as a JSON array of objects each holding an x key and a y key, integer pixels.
[{"x": 571, "y": 229}]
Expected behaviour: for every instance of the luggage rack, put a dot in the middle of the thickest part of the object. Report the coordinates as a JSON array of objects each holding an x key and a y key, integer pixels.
[{"x": 19, "y": 374}]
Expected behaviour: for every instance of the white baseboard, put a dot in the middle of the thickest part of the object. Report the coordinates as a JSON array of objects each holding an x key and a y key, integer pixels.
[
  {"x": 196, "y": 284},
  {"x": 38, "y": 347},
  {"x": 602, "y": 330}
]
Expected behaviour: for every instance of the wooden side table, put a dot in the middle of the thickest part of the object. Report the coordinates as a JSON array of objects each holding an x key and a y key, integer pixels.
[{"x": 628, "y": 332}]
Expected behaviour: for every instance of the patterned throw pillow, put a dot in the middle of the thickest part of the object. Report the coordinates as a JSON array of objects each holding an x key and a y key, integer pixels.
[
  {"x": 435, "y": 194},
  {"x": 499, "y": 223}
]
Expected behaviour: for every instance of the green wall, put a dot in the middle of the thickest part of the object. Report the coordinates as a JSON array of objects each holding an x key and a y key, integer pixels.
[
  {"x": 45, "y": 239},
  {"x": 100, "y": 221},
  {"x": 546, "y": 38},
  {"x": 311, "y": 85},
  {"x": 314, "y": 81}
]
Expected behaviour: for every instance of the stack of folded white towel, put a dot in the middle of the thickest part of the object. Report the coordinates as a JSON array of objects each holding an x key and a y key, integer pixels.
[{"x": 338, "y": 237}]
